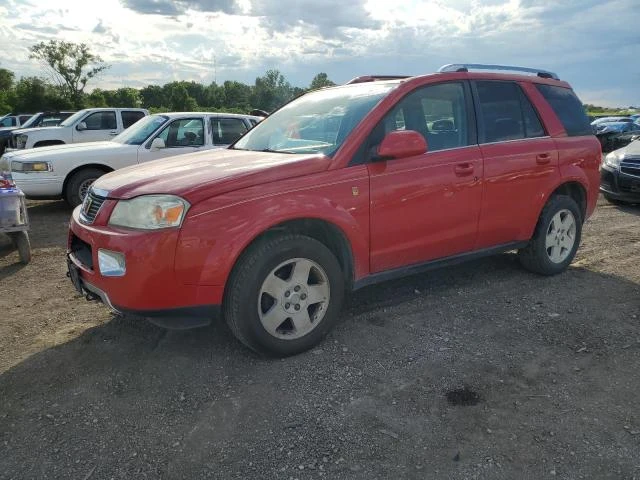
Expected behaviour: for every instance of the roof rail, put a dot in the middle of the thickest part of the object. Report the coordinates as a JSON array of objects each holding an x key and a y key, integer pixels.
[
  {"x": 373, "y": 78},
  {"x": 465, "y": 67}
]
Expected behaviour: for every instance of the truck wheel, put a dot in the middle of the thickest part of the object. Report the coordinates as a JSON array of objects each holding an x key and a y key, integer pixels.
[
  {"x": 284, "y": 295},
  {"x": 22, "y": 243},
  {"x": 79, "y": 183},
  {"x": 556, "y": 237}
]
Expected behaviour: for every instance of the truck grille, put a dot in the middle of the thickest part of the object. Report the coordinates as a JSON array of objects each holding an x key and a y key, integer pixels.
[
  {"x": 631, "y": 166},
  {"x": 91, "y": 206}
]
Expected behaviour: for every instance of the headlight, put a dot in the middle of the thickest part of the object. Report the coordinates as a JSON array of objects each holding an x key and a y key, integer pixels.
[
  {"x": 18, "y": 166},
  {"x": 150, "y": 212},
  {"x": 21, "y": 141},
  {"x": 613, "y": 160}
]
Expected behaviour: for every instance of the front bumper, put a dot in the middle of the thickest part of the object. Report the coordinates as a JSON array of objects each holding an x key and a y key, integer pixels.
[
  {"x": 618, "y": 185},
  {"x": 150, "y": 287},
  {"x": 39, "y": 185}
]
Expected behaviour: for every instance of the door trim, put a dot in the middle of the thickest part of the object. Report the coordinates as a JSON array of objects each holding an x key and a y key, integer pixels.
[{"x": 435, "y": 264}]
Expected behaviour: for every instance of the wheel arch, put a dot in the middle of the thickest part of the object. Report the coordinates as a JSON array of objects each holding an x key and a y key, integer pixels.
[
  {"x": 47, "y": 143},
  {"x": 99, "y": 166},
  {"x": 576, "y": 191}
]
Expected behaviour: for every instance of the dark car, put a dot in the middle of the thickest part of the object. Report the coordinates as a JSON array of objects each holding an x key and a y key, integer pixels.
[
  {"x": 616, "y": 135},
  {"x": 620, "y": 175},
  {"x": 41, "y": 119}
]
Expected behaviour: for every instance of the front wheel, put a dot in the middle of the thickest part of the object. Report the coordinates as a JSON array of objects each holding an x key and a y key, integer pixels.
[
  {"x": 79, "y": 184},
  {"x": 284, "y": 295},
  {"x": 556, "y": 238}
]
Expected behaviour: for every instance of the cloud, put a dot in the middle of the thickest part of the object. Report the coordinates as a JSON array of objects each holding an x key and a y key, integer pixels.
[{"x": 179, "y": 7}]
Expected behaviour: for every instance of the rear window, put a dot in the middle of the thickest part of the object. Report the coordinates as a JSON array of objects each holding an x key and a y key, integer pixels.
[
  {"x": 130, "y": 117},
  {"x": 568, "y": 109}
]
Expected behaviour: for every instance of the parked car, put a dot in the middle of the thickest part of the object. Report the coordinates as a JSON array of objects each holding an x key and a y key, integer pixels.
[
  {"x": 601, "y": 120},
  {"x": 67, "y": 171},
  {"x": 272, "y": 232},
  {"x": 616, "y": 135},
  {"x": 41, "y": 119},
  {"x": 14, "y": 120},
  {"x": 89, "y": 125},
  {"x": 620, "y": 175}
]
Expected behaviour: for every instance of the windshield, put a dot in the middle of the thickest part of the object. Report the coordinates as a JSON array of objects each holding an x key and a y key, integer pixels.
[
  {"x": 138, "y": 133},
  {"x": 72, "y": 119},
  {"x": 317, "y": 122},
  {"x": 31, "y": 121}
]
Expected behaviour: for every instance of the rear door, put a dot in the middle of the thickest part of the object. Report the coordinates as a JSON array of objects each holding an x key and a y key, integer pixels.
[
  {"x": 520, "y": 162},
  {"x": 227, "y": 130},
  {"x": 426, "y": 206}
]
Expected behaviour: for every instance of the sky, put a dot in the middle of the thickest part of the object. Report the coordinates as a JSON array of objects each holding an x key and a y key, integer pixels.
[{"x": 593, "y": 44}]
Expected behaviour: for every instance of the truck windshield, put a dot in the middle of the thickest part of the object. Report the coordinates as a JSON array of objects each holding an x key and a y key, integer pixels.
[
  {"x": 317, "y": 122},
  {"x": 138, "y": 133}
]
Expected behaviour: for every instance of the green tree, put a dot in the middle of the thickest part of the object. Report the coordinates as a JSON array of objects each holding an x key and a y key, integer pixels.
[
  {"x": 126, "y": 97},
  {"x": 96, "y": 99},
  {"x": 236, "y": 95},
  {"x": 6, "y": 79},
  {"x": 71, "y": 65},
  {"x": 152, "y": 96},
  {"x": 179, "y": 99},
  {"x": 321, "y": 80},
  {"x": 271, "y": 91}
]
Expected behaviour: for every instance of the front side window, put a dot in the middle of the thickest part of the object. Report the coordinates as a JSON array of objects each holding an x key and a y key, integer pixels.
[
  {"x": 317, "y": 122},
  {"x": 8, "y": 122},
  {"x": 101, "y": 121},
  {"x": 186, "y": 132},
  {"x": 227, "y": 130},
  {"x": 437, "y": 112}
]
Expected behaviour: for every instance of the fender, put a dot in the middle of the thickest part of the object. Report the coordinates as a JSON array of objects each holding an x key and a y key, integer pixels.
[{"x": 218, "y": 230}]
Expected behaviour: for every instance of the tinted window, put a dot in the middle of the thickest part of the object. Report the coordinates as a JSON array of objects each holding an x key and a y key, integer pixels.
[
  {"x": 101, "y": 121},
  {"x": 187, "y": 132},
  {"x": 8, "y": 122},
  {"x": 24, "y": 118},
  {"x": 130, "y": 117},
  {"x": 227, "y": 130},
  {"x": 532, "y": 125},
  {"x": 568, "y": 109},
  {"x": 437, "y": 112}
]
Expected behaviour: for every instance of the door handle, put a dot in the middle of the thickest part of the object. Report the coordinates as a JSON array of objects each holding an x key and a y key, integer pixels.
[
  {"x": 543, "y": 158},
  {"x": 113, "y": 133},
  {"x": 463, "y": 169}
]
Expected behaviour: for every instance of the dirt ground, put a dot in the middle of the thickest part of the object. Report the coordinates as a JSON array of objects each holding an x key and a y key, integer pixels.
[{"x": 554, "y": 363}]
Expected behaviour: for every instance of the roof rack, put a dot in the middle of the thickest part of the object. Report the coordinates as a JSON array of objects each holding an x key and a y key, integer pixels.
[
  {"x": 374, "y": 78},
  {"x": 465, "y": 67}
]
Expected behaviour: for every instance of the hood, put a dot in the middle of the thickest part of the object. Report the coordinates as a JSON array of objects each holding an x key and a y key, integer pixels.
[
  {"x": 201, "y": 175},
  {"x": 44, "y": 153},
  {"x": 27, "y": 131},
  {"x": 631, "y": 150}
]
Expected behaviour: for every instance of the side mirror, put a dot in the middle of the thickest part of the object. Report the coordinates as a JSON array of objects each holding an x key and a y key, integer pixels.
[
  {"x": 402, "y": 144},
  {"x": 157, "y": 144},
  {"x": 81, "y": 126}
]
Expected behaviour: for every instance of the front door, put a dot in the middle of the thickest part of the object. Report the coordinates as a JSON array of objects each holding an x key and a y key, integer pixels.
[
  {"x": 185, "y": 135},
  {"x": 427, "y": 206},
  {"x": 100, "y": 126}
]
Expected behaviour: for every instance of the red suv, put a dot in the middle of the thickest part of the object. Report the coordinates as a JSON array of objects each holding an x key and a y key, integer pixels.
[{"x": 339, "y": 189}]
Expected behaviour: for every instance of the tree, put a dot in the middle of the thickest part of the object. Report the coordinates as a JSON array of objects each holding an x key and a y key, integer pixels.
[
  {"x": 72, "y": 66},
  {"x": 126, "y": 97},
  {"x": 6, "y": 79},
  {"x": 321, "y": 80},
  {"x": 271, "y": 91}
]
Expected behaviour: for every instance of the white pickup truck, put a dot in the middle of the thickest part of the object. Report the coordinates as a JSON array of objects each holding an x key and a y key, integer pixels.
[
  {"x": 88, "y": 125},
  {"x": 67, "y": 171}
]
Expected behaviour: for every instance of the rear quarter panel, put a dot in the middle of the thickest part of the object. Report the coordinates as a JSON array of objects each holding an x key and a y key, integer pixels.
[{"x": 216, "y": 231}]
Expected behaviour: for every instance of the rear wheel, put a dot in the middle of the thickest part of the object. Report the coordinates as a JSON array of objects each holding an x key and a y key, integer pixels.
[
  {"x": 22, "y": 243},
  {"x": 284, "y": 295},
  {"x": 556, "y": 238},
  {"x": 79, "y": 184}
]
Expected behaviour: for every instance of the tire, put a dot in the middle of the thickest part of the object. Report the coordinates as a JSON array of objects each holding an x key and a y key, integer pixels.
[
  {"x": 554, "y": 242},
  {"x": 276, "y": 324},
  {"x": 79, "y": 183},
  {"x": 614, "y": 201},
  {"x": 22, "y": 243}
]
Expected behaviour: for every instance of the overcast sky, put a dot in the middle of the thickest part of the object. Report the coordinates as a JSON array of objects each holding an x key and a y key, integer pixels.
[{"x": 594, "y": 44}]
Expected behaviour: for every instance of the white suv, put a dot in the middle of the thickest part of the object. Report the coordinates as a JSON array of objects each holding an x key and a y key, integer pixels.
[{"x": 88, "y": 125}]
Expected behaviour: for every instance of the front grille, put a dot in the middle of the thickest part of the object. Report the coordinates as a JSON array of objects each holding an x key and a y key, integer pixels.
[
  {"x": 91, "y": 206},
  {"x": 82, "y": 251},
  {"x": 631, "y": 166},
  {"x": 628, "y": 185}
]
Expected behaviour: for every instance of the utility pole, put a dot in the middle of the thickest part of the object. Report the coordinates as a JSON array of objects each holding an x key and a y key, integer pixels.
[{"x": 214, "y": 71}]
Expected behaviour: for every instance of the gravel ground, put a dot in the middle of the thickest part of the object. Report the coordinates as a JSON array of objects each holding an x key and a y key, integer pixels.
[{"x": 550, "y": 363}]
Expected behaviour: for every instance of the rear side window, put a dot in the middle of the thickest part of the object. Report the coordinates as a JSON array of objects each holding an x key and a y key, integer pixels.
[
  {"x": 506, "y": 113},
  {"x": 227, "y": 130},
  {"x": 130, "y": 117},
  {"x": 568, "y": 108}
]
